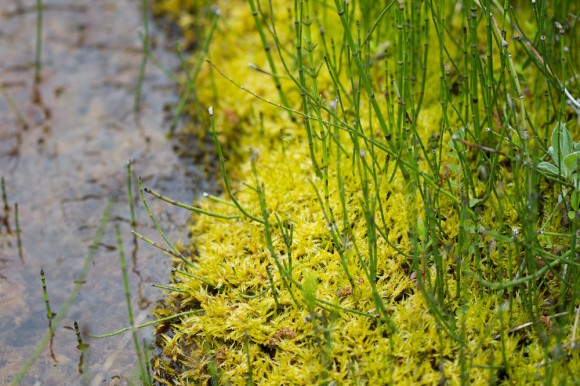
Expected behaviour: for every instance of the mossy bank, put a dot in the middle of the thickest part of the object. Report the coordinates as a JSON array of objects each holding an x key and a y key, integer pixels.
[{"x": 386, "y": 221}]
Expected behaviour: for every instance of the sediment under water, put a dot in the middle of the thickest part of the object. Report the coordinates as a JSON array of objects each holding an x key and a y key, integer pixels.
[{"x": 62, "y": 161}]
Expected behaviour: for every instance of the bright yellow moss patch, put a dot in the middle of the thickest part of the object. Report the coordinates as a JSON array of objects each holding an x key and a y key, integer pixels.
[{"x": 319, "y": 326}]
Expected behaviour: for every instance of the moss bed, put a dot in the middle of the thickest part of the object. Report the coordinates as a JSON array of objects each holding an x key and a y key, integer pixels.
[{"x": 393, "y": 278}]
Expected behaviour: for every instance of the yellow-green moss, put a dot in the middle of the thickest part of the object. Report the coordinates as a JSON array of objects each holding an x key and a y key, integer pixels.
[{"x": 292, "y": 345}]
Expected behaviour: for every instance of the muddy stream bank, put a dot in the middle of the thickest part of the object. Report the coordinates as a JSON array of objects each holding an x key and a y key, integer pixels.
[{"x": 62, "y": 162}]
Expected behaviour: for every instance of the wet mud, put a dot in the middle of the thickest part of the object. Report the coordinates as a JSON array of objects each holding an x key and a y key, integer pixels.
[{"x": 64, "y": 144}]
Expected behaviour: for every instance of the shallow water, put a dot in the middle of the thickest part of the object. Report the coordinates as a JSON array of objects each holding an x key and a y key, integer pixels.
[{"x": 60, "y": 166}]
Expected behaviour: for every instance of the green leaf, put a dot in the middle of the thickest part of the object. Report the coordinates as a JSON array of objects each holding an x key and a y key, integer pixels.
[
  {"x": 548, "y": 240},
  {"x": 549, "y": 168},
  {"x": 460, "y": 133},
  {"x": 83, "y": 346},
  {"x": 562, "y": 143},
  {"x": 551, "y": 152},
  {"x": 515, "y": 136},
  {"x": 572, "y": 161},
  {"x": 453, "y": 154},
  {"x": 453, "y": 168},
  {"x": 576, "y": 180},
  {"x": 571, "y": 215},
  {"x": 473, "y": 202},
  {"x": 562, "y": 195},
  {"x": 421, "y": 230},
  {"x": 575, "y": 200}
]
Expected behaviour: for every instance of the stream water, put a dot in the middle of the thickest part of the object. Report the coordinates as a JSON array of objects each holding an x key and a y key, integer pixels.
[{"x": 61, "y": 162}]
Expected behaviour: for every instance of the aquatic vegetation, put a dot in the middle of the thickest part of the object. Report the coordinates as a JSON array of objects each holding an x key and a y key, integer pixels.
[{"x": 386, "y": 214}]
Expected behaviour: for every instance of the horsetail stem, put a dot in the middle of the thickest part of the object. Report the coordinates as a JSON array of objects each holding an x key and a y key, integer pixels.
[
  {"x": 130, "y": 193},
  {"x": 191, "y": 77},
  {"x": 142, "y": 363},
  {"x": 146, "y": 49},
  {"x": 18, "y": 230},
  {"x": 158, "y": 227},
  {"x": 49, "y": 313},
  {"x": 38, "y": 52},
  {"x": 4, "y": 197},
  {"x": 80, "y": 345},
  {"x": 189, "y": 207}
]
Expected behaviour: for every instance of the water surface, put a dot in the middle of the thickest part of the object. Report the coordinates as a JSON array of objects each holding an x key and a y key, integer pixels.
[{"x": 62, "y": 162}]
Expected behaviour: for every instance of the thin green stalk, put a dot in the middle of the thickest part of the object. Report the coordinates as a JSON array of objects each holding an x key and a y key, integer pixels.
[
  {"x": 266, "y": 45},
  {"x": 473, "y": 87},
  {"x": 88, "y": 262},
  {"x": 273, "y": 289},
  {"x": 432, "y": 303},
  {"x": 151, "y": 323},
  {"x": 344, "y": 126},
  {"x": 513, "y": 283},
  {"x": 14, "y": 107},
  {"x": 38, "y": 54},
  {"x": 334, "y": 234},
  {"x": 377, "y": 22},
  {"x": 18, "y": 231},
  {"x": 149, "y": 380},
  {"x": 363, "y": 73},
  {"x": 49, "y": 313},
  {"x": 224, "y": 173},
  {"x": 250, "y": 381},
  {"x": 130, "y": 194},
  {"x": 191, "y": 77},
  {"x": 159, "y": 230},
  {"x": 169, "y": 288},
  {"x": 287, "y": 235},
  {"x": 322, "y": 303},
  {"x": 82, "y": 347},
  {"x": 80, "y": 344},
  {"x": 189, "y": 207},
  {"x": 218, "y": 199},
  {"x": 153, "y": 243},
  {"x": 205, "y": 281},
  {"x": 4, "y": 197},
  {"x": 302, "y": 78},
  {"x": 144, "y": 59},
  {"x": 286, "y": 278},
  {"x": 296, "y": 112},
  {"x": 563, "y": 96},
  {"x": 142, "y": 364}
]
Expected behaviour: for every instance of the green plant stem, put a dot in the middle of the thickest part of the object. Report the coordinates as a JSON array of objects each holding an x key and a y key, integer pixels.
[
  {"x": 14, "y": 107},
  {"x": 130, "y": 194},
  {"x": 142, "y": 364},
  {"x": 151, "y": 323},
  {"x": 268, "y": 52},
  {"x": 41, "y": 345},
  {"x": 144, "y": 59},
  {"x": 191, "y": 77},
  {"x": 153, "y": 243},
  {"x": 194, "y": 277},
  {"x": 158, "y": 227},
  {"x": 224, "y": 173},
  {"x": 363, "y": 74},
  {"x": 38, "y": 55},
  {"x": 49, "y": 313},
  {"x": 4, "y": 197},
  {"x": 189, "y": 207},
  {"x": 250, "y": 381},
  {"x": 18, "y": 231}
]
